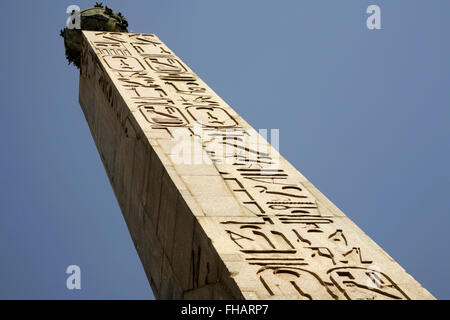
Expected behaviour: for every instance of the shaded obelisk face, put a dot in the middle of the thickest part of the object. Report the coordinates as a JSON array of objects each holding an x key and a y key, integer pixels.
[{"x": 98, "y": 18}]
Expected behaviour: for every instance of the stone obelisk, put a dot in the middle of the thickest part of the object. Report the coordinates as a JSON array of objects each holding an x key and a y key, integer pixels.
[{"x": 214, "y": 211}]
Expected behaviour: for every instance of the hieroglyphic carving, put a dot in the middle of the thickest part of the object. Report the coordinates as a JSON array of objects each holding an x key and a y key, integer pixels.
[
  {"x": 295, "y": 282},
  {"x": 112, "y": 48},
  {"x": 299, "y": 247},
  {"x": 355, "y": 282},
  {"x": 211, "y": 116},
  {"x": 311, "y": 242}
]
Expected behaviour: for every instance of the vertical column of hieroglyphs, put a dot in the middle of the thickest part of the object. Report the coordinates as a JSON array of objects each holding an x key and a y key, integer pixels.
[{"x": 213, "y": 209}]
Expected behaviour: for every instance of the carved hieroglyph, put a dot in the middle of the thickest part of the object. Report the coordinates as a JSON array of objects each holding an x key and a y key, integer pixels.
[{"x": 214, "y": 211}]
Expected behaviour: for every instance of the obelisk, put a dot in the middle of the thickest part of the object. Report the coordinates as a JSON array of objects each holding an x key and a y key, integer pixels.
[{"x": 214, "y": 211}]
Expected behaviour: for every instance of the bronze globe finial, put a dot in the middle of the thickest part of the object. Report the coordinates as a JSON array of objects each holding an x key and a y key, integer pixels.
[{"x": 98, "y": 18}]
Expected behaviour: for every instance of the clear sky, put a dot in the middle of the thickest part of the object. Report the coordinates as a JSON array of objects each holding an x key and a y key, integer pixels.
[{"x": 363, "y": 114}]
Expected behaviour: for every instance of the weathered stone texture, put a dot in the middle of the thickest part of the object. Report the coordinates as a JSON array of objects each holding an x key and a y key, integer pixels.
[{"x": 231, "y": 220}]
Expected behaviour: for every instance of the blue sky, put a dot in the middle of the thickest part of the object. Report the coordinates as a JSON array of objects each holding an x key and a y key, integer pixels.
[{"x": 363, "y": 114}]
